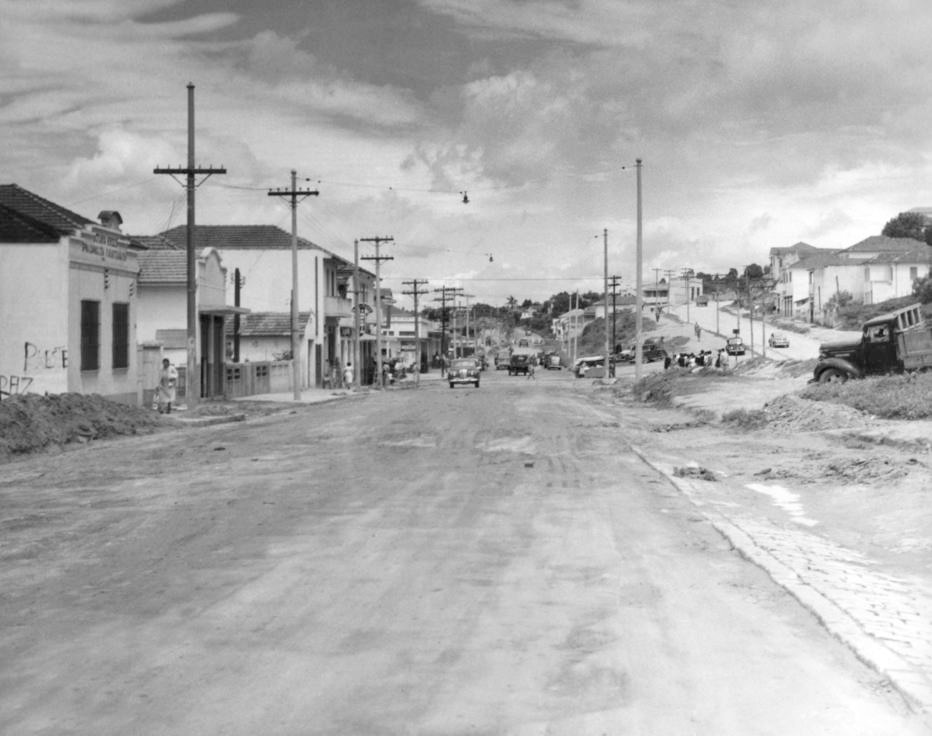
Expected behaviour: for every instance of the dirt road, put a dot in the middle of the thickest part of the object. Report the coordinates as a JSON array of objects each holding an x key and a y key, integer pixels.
[{"x": 435, "y": 562}]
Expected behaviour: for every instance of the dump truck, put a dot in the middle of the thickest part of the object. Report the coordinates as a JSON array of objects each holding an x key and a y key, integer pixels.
[{"x": 895, "y": 342}]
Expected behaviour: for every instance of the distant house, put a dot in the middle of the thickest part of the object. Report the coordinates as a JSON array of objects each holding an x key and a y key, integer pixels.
[
  {"x": 261, "y": 255},
  {"x": 68, "y": 300},
  {"x": 870, "y": 271},
  {"x": 790, "y": 291},
  {"x": 266, "y": 336},
  {"x": 163, "y": 317}
]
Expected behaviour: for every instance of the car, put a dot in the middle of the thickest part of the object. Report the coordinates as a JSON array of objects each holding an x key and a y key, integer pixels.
[
  {"x": 585, "y": 364},
  {"x": 734, "y": 346},
  {"x": 463, "y": 370},
  {"x": 652, "y": 349},
  {"x": 778, "y": 340}
]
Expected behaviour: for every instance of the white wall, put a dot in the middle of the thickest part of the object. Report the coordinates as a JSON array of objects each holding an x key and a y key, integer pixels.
[{"x": 34, "y": 347}]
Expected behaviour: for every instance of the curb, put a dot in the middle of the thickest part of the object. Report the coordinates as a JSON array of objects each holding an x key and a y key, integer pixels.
[{"x": 830, "y": 615}]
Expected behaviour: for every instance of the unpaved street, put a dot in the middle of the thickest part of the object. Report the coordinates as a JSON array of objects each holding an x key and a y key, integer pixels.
[{"x": 429, "y": 562}]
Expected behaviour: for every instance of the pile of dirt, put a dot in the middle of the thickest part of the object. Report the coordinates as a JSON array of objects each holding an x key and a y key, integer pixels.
[
  {"x": 789, "y": 413},
  {"x": 33, "y": 422}
]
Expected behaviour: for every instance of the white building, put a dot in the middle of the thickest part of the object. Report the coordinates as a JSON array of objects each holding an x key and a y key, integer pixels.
[{"x": 67, "y": 301}]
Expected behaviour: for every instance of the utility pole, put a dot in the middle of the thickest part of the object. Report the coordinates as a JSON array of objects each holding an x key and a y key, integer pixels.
[
  {"x": 192, "y": 378},
  {"x": 613, "y": 282},
  {"x": 238, "y": 283},
  {"x": 605, "y": 296},
  {"x": 445, "y": 292},
  {"x": 378, "y": 240},
  {"x": 357, "y": 374},
  {"x": 750, "y": 311},
  {"x": 293, "y": 193},
  {"x": 685, "y": 273},
  {"x": 638, "y": 348},
  {"x": 415, "y": 285}
]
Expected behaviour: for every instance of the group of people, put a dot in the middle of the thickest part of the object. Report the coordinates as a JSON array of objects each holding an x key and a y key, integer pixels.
[{"x": 702, "y": 359}]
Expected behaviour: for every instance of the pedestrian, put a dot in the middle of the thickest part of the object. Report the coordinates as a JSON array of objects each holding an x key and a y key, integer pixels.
[
  {"x": 168, "y": 380},
  {"x": 530, "y": 369},
  {"x": 698, "y": 331},
  {"x": 348, "y": 375}
]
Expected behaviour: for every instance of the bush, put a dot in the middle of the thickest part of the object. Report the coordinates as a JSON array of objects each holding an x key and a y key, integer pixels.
[{"x": 907, "y": 396}]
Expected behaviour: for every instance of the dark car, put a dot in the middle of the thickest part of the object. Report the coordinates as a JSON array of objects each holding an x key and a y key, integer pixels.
[
  {"x": 734, "y": 346},
  {"x": 464, "y": 370},
  {"x": 651, "y": 350}
]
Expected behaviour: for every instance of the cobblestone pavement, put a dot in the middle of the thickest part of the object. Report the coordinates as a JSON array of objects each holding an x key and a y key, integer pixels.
[{"x": 884, "y": 617}]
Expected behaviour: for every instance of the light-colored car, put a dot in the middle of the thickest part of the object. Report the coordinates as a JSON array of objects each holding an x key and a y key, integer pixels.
[
  {"x": 464, "y": 370},
  {"x": 778, "y": 340}
]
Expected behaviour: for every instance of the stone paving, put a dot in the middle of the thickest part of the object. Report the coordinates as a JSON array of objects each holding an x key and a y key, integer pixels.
[{"x": 884, "y": 618}]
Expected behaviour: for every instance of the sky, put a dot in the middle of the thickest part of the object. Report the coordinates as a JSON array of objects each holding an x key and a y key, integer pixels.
[{"x": 759, "y": 124}]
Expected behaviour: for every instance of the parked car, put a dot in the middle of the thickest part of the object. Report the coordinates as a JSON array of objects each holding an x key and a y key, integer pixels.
[
  {"x": 890, "y": 343},
  {"x": 778, "y": 340},
  {"x": 583, "y": 365},
  {"x": 464, "y": 370},
  {"x": 734, "y": 346},
  {"x": 652, "y": 349}
]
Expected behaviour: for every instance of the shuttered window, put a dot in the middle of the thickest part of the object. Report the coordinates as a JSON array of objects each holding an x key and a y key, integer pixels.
[
  {"x": 121, "y": 335},
  {"x": 90, "y": 335}
]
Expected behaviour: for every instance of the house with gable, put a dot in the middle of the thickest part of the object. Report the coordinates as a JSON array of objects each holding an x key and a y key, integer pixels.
[
  {"x": 791, "y": 293},
  {"x": 68, "y": 300},
  {"x": 162, "y": 323},
  {"x": 259, "y": 258}
]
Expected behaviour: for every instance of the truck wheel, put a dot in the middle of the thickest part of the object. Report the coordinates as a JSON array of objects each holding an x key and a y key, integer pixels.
[
  {"x": 451, "y": 385},
  {"x": 833, "y": 375}
]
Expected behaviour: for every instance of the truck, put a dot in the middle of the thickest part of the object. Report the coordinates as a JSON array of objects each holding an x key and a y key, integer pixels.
[
  {"x": 895, "y": 342},
  {"x": 520, "y": 361}
]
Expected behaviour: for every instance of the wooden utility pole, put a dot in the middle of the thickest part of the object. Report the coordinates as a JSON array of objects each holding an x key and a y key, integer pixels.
[
  {"x": 639, "y": 297},
  {"x": 445, "y": 292},
  {"x": 293, "y": 193},
  {"x": 415, "y": 285},
  {"x": 378, "y": 258},
  {"x": 605, "y": 298},
  {"x": 238, "y": 283},
  {"x": 357, "y": 374},
  {"x": 192, "y": 378},
  {"x": 613, "y": 281}
]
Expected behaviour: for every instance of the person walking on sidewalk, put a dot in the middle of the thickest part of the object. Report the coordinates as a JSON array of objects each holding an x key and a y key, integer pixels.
[
  {"x": 348, "y": 376},
  {"x": 168, "y": 380}
]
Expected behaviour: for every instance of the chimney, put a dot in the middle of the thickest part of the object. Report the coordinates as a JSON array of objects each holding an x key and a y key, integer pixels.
[{"x": 110, "y": 219}]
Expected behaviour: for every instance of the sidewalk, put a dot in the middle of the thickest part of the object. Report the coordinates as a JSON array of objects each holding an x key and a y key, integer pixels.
[{"x": 881, "y": 615}]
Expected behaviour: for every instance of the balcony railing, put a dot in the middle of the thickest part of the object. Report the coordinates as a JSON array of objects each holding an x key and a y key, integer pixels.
[{"x": 335, "y": 306}]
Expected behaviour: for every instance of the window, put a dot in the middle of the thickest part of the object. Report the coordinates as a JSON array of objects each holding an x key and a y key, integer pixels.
[
  {"x": 90, "y": 335},
  {"x": 121, "y": 335},
  {"x": 913, "y": 273}
]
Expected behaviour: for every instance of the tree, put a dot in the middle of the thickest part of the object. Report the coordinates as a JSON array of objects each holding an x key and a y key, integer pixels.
[
  {"x": 753, "y": 271},
  {"x": 906, "y": 225}
]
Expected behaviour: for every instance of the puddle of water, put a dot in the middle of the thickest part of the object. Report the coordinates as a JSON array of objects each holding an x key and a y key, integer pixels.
[{"x": 786, "y": 500}]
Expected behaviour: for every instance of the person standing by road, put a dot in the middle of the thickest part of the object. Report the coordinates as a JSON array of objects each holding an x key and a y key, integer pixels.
[
  {"x": 168, "y": 380},
  {"x": 348, "y": 375}
]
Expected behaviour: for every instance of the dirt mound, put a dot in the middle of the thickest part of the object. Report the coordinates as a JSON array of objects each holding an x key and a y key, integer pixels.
[
  {"x": 31, "y": 422},
  {"x": 791, "y": 413}
]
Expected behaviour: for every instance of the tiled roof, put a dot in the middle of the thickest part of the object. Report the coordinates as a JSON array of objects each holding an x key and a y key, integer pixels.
[
  {"x": 921, "y": 254},
  {"x": 156, "y": 242},
  {"x": 235, "y": 236},
  {"x": 799, "y": 247},
  {"x": 881, "y": 244},
  {"x": 16, "y": 227},
  {"x": 267, "y": 324},
  {"x": 820, "y": 260},
  {"x": 62, "y": 220},
  {"x": 163, "y": 267}
]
